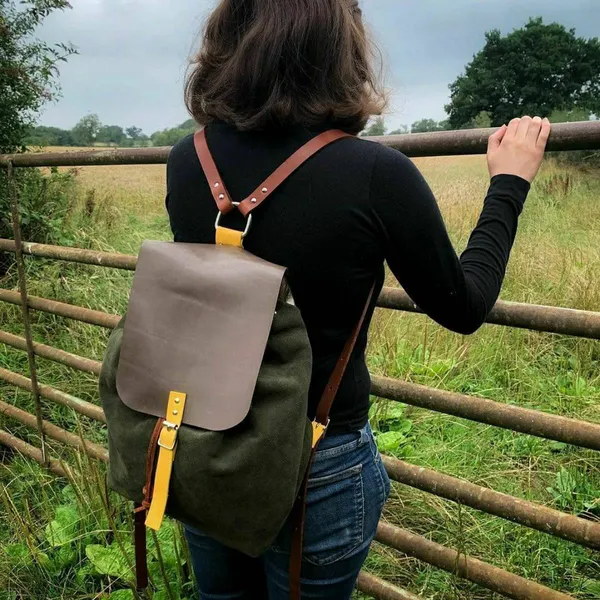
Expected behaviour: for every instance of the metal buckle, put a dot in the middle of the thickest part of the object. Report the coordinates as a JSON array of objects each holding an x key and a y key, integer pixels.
[
  {"x": 248, "y": 222},
  {"x": 169, "y": 427}
]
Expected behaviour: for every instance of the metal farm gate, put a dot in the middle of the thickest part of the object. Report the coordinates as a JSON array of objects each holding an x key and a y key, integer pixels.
[{"x": 563, "y": 321}]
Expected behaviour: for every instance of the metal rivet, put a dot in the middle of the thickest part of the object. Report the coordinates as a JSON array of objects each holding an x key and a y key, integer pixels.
[
  {"x": 264, "y": 190},
  {"x": 177, "y": 400},
  {"x": 217, "y": 184},
  {"x": 175, "y": 412},
  {"x": 221, "y": 196},
  {"x": 254, "y": 200}
]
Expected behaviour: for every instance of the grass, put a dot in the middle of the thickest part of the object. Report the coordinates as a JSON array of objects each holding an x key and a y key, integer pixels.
[{"x": 556, "y": 261}]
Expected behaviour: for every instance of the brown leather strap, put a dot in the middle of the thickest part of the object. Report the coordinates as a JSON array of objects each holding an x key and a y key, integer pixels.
[
  {"x": 141, "y": 559},
  {"x": 265, "y": 189},
  {"x": 323, "y": 409},
  {"x": 331, "y": 389},
  {"x": 140, "y": 510},
  {"x": 217, "y": 187}
]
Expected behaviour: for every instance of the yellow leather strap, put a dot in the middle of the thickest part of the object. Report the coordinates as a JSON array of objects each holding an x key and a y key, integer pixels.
[
  {"x": 167, "y": 443},
  {"x": 229, "y": 237}
]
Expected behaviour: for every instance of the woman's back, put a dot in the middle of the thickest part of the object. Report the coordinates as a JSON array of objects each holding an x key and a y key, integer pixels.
[{"x": 332, "y": 224}]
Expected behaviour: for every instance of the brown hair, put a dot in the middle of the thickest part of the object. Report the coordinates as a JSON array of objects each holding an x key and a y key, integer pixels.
[{"x": 266, "y": 63}]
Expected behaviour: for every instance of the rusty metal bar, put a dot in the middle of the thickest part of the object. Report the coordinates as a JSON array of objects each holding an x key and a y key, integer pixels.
[
  {"x": 564, "y": 136},
  {"x": 523, "y": 512},
  {"x": 54, "y": 432},
  {"x": 77, "y": 404},
  {"x": 86, "y": 365},
  {"x": 86, "y": 315},
  {"x": 85, "y": 158},
  {"x": 550, "y": 319},
  {"x": 6, "y": 439},
  {"x": 490, "y": 412},
  {"x": 16, "y": 226},
  {"x": 78, "y": 255},
  {"x": 381, "y": 589},
  {"x": 493, "y": 578}
]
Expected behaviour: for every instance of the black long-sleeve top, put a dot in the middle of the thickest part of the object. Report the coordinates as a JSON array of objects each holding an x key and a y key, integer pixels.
[{"x": 333, "y": 224}]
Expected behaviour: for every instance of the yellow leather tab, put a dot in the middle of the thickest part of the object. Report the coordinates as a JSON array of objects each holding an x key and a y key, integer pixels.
[
  {"x": 318, "y": 432},
  {"x": 167, "y": 445},
  {"x": 229, "y": 237}
]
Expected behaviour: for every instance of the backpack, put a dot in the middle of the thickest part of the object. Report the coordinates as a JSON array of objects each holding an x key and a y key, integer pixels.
[{"x": 205, "y": 386}]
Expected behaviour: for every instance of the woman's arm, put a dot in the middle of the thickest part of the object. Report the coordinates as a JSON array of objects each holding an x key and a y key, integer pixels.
[{"x": 456, "y": 292}]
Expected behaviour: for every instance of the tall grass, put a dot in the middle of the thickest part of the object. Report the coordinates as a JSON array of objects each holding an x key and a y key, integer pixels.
[{"x": 556, "y": 261}]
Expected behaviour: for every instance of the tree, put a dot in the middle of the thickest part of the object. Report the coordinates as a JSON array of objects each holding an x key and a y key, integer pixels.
[
  {"x": 376, "y": 128},
  {"x": 28, "y": 67},
  {"x": 169, "y": 137},
  {"x": 48, "y": 136},
  {"x": 403, "y": 129},
  {"x": 111, "y": 134},
  {"x": 425, "y": 125},
  {"x": 85, "y": 132},
  {"x": 134, "y": 133},
  {"x": 534, "y": 70}
]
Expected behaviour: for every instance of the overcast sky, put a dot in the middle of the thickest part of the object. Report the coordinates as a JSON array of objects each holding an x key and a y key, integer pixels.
[{"x": 133, "y": 53}]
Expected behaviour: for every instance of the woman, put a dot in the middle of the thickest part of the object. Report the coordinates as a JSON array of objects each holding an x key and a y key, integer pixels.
[{"x": 272, "y": 74}]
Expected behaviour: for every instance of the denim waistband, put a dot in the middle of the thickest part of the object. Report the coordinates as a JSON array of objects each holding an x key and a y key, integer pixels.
[{"x": 334, "y": 445}]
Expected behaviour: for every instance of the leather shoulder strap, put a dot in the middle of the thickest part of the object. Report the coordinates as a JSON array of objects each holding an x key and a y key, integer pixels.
[
  {"x": 217, "y": 187},
  {"x": 265, "y": 189},
  {"x": 330, "y": 392}
]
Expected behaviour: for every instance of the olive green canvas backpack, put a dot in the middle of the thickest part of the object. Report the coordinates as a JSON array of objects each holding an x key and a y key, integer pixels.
[{"x": 205, "y": 386}]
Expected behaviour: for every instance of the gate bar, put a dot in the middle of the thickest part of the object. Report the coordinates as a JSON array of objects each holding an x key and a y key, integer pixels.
[
  {"x": 493, "y": 578},
  {"x": 382, "y": 589},
  {"x": 70, "y": 311},
  {"x": 507, "y": 416},
  {"x": 77, "y": 404},
  {"x": 32, "y": 452},
  {"x": 55, "y": 432},
  {"x": 523, "y": 512},
  {"x": 550, "y": 319},
  {"x": 87, "y": 365},
  {"x": 564, "y": 136}
]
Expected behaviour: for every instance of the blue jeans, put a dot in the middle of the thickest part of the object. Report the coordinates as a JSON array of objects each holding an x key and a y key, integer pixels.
[{"x": 348, "y": 487}]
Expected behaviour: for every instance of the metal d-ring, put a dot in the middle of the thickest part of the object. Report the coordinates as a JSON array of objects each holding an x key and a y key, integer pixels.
[{"x": 248, "y": 222}]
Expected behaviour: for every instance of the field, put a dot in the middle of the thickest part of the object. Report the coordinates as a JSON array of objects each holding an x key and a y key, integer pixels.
[{"x": 72, "y": 542}]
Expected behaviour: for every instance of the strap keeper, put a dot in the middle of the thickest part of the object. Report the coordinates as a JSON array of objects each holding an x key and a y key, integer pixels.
[{"x": 319, "y": 431}]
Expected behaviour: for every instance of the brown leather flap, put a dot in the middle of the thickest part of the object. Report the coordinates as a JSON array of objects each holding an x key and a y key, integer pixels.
[{"x": 198, "y": 321}]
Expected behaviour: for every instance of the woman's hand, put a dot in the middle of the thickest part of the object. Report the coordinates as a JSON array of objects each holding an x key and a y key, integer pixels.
[{"x": 518, "y": 149}]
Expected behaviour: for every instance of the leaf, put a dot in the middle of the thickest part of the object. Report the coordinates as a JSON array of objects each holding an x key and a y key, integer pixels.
[
  {"x": 108, "y": 560},
  {"x": 389, "y": 441},
  {"x": 63, "y": 529}
]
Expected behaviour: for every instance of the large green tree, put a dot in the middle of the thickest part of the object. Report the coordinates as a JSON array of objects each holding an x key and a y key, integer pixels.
[
  {"x": 28, "y": 67},
  {"x": 535, "y": 70}
]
